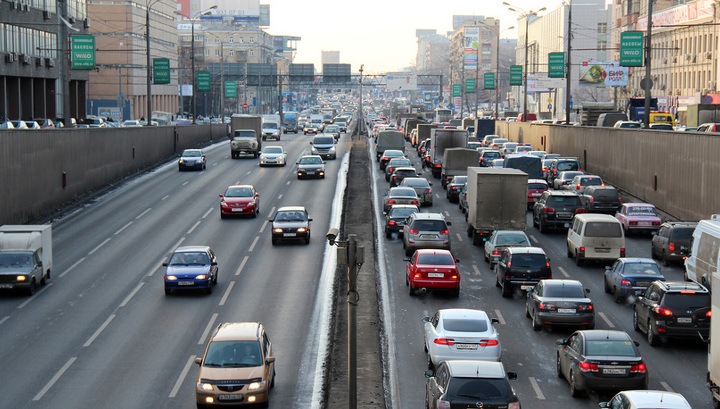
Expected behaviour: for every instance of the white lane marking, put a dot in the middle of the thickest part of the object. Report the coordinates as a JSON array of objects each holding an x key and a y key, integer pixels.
[
  {"x": 242, "y": 265},
  {"x": 164, "y": 197},
  {"x": 143, "y": 213},
  {"x": 192, "y": 229},
  {"x": 252, "y": 246},
  {"x": 207, "y": 329},
  {"x": 288, "y": 183},
  {"x": 537, "y": 389},
  {"x": 459, "y": 236},
  {"x": 54, "y": 379},
  {"x": 215, "y": 164},
  {"x": 99, "y": 246},
  {"x": 280, "y": 196},
  {"x": 71, "y": 267},
  {"x": 35, "y": 296},
  {"x": 123, "y": 228},
  {"x": 605, "y": 318},
  {"x": 271, "y": 212},
  {"x": 262, "y": 229},
  {"x": 185, "y": 183},
  {"x": 447, "y": 214},
  {"x": 437, "y": 195},
  {"x": 534, "y": 239},
  {"x": 208, "y": 212},
  {"x": 227, "y": 293},
  {"x": 248, "y": 172},
  {"x": 500, "y": 317},
  {"x": 562, "y": 270},
  {"x": 130, "y": 296},
  {"x": 157, "y": 266},
  {"x": 99, "y": 330},
  {"x": 477, "y": 270},
  {"x": 5, "y": 318},
  {"x": 666, "y": 386},
  {"x": 179, "y": 242},
  {"x": 182, "y": 376}
]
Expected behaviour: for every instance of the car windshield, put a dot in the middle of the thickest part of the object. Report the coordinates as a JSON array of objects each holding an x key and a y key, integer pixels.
[
  {"x": 403, "y": 192},
  {"x": 479, "y": 388},
  {"x": 291, "y": 216},
  {"x": 429, "y": 225},
  {"x": 189, "y": 258},
  {"x": 590, "y": 181},
  {"x": 270, "y": 125},
  {"x": 606, "y": 193},
  {"x": 528, "y": 260},
  {"x": 569, "y": 175},
  {"x": 239, "y": 192},
  {"x": 537, "y": 186},
  {"x": 233, "y": 354},
  {"x": 273, "y": 150},
  {"x": 465, "y": 325},
  {"x": 402, "y": 211},
  {"x": 311, "y": 161},
  {"x": 687, "y": 301},
  {"x": 512, "y": 240},
  {"x": 492, "y": 154},
  {"x": 416, "y": 182},
  {"x": 192, "y": 154},
  {"x": 564, "y": 201},
  {"x": 399, "y": 162},
  {"x": 324, "y": 140},
  {"x": 603, "y": 229},
  {"x": 435, "y": 259},
  {"x": 641, "y": 211},
  {"x": 570, "y": 165},
  {"x": 563, "y": 291},
  {"x": 630, "y": 125},
  {"x": 607, "y": 347},
  {"x": 332, "y": 129},
  {"x": 642, "y": 268},
  {"x": 459, "y": 180},
  {"x": 15, "y": 259}
]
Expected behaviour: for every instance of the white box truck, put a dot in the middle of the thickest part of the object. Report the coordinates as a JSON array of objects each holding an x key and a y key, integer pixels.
[{"x": 25, "y": 256}]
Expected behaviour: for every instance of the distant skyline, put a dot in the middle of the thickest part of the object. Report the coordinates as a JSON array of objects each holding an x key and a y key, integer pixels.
[{"x": 378, "y": 34}]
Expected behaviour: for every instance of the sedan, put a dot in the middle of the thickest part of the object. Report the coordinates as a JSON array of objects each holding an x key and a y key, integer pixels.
[
  {"x": 458, "y": 333},
  {"x": 422, "y": 188},
  {"x": 640, "y": 217},
  {"x": 502, "y": 239},
  {"x": 396, "y": 217},
  {"x": 453, "y": 188},
  {"x": 389, "y": 154},
  {"x": 400, "y": 195},
  {"x": 627, "y": 276},
  {"x": 240, "y": 199},
  {"x": 192, "y": 159},
  {"x": 310, "y": 128},
  {"x": 310, "y": 166},
  {"x": 559, "y": 302},
  {"x": 600, "y": 360},
  {"x": 395, "y": 163},
  {"x": 333, "y": 130},
  {"x": 191, "y": 268},
  {"x": 273, "y": 155},
  {"x": 290, "y": 223},
  {"x": 564, "y": 178},
  {"x": 400, "y": 173},
  {"x": 432, "y": 269}
]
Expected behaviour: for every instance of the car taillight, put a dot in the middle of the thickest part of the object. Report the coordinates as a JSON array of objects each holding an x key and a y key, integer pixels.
[
  {"x": 639, "y": 368},
  {"x": 579, "y": 211},
  {"x": 482, "y": 160},
  {"x": 708, "y": 314},
  {"x": 588, "y": 367},
  {"x": 656, "y": 223},
  {"x": 544, "y": 306},
  {"x": 548, "y": 210},
  {"x": 514, "y": 405},
  {"x": 445, "y": 232},
  {"x": 496, "y": 252},
  {"x": 391, "y": 201},
  {"x": 394, "y": 177},
  {"x": 417, "y": 275},
  {"x": 585, "y": 307},
  {"x": 633, "y": 223},
  {"x": 391, "y": 223},
  {"x": 626, "y": 282},
  {"x": 414, "y": 202},
  {"x": 411, "y": 231},
  {"x": 488, "y": 342},
  {"x": 429, "y": 190},
  {"x": 578, "y": 187},
  {"x": 581, "y": 251},
  {"x": 437, "y": 165},
  {"x": 509, "y": 263},
  {"x": 444, "y": 341},
  {"x": 671, "y": 246},
  {"x": 622, "y": 252},
  {"x": 662, "y": 311},
  {"x": 452, "y": 188},
  {"x": 547, "y": 264}
]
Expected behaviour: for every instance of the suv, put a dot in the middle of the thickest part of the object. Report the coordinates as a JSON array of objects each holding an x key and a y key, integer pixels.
[
  {"x": 238, "y": 366},
  {"x": 324, "y": 146},
  {"x": 672, "y": 241},
  {"x": 561, "y": 165},
  {"x": 425, "y": 230},
  {"x": 600, "y": 199},
  {"x": 672, "y": 309},
  {"x": 556, "y": 209},
  {"x": 290, "y": 223},
  {"x": 470, "y": 384},
  {"x": 521, "y": 267}
]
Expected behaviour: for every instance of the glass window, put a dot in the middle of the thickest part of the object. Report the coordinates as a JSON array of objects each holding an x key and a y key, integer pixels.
[
  {"x": 479, "y": 388},
  {"x": 465, "y": 325},
  {"x": 603, "y": 229},
  {"x": 686, "y": 301},
  {"x": 234, "y": 354},
  {"x": 435, "y": 259},
  {"x": 610, "y": 348},
  {"x": 563, "y": 291}
]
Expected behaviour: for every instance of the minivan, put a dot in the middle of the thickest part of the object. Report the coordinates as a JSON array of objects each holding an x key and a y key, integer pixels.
[
  {"x": 703, "y": 259},
  {"x": 595, "y": 237}
]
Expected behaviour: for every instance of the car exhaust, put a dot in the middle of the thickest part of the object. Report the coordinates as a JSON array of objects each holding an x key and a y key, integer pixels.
[{"x": 423, "y": 290}]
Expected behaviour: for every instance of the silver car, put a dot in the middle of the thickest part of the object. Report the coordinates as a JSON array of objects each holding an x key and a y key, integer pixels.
[
  {"x": 426, "y": 231},
  {"x": 422, "y": 188},
  {"x": 502, "y": 239},
  {"x": 273, "y": 155},
  {"x": 458, "y": 333},
  {"x": 400, "y": 195}
]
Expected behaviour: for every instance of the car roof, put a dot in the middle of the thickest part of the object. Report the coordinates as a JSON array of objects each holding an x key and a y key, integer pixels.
[
  {"x": 234, "y": 331},
  {"x": 188, "y": 249},
  {"x": 606, "y": 334},
  {"x": 455, "y": 313},
  {"x": 240, "y": 186},
  {"x": 676, "y": 286},
  {"x": 537, "y": 181},
  {"x": 628, "y": 260},
  {"x": 311, "y": 156},
  {"x": 638, "y": 205},
  {"x": 410, "y": 168},
  {"x": 403, "y": 206},
  {"x": 292, "y": 209},
  {"x": 561, "y": 282},
  {"x": 476, "y": 369},
  {"x": 554, "y": 192},
  {"x": 192, "y": 150},
  {"x": 596, "y": 217},
  {"x": 429, "y": 216},
  {"x": 433, "y": 251},
  {"x": 525, "y": 250},
  {"x": 689, "y": 225},
  {"x": 658, "y": 399},
  {"x": 510, "y": 232}
]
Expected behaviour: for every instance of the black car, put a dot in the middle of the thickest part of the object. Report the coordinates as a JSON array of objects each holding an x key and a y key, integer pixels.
[
  {"x": 290, "y": 223},
  {"x": 600, "y": 360},
  {"x": 389, "y": 154},
  {"x": 559, "y": 302},
  {"x": 521, "y": 267},
  {"x": 555, "y": 209},
  {"x": 395, "y": 163},
  {"x": 600, "y": 199},
  {"x": 470, "y": 384},
  {"x": 396, "y": 217},
  {"x": 310, "y": 166},
  {"x": 401, "y": 173},
  {"x": 453, "y": 188},
  {"x": 672, "y": 309},
  {"x": 672, "y": 241}
]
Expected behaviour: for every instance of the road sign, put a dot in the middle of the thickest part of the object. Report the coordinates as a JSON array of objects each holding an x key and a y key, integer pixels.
[
  {"x": 161, "y": 71},
  {"x": 556, "y": 65},
  {"x": 456, "y": 90},
  {"x": 83, "y": 52},
  {"x": 470, "y": 85},
  {"x": 631, "y": 49},
  {"x": 230, "y": 89},
  {"x": 516, "y": 75},
  {"x": 489, "y": 80},
  {"x": 203, "y": 81},
  {"x": 245, "y": 106},
  {"x": 549, "y": 107}
]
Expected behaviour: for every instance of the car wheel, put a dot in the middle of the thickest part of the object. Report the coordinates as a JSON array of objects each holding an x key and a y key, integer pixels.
[
  {"x": 535, "y": 223},
  {"x": 411, "y": 290},
  {"x": 456, "y": 292},
  {"x": 574, "y": 391},
  {"x": 578, "y": 259},
  {"x": 665, "y": 261},
  {"x": 636, "y": 327},
  {"x": 209, "y": 290},
  {"x": 222, "y": 216},
  {"x": 274, "y": 241},
  {"x": 31, "y": 289},
  {"x": 307, "y": 240},
  {"x": 527, "y": 311},
  {"x": 487, "y": 260},
  {"x": 653, "y": 255},
  {"x": 430, "y": 362},
  {"x": 497, "y": 281},
  {"x": 469, "y": 231},
  {"x": 168, "y": 291},
  {"x": 506, "y": 292},
  {"x": 201, "y": 406},
  {"x": 617, "y": 296},
  {"x": 652, "y": 339},
  {"x": 388, "y": 234},
  {"x": 607, "y": 287},
  {"x": 541, "y": 227},
  {"x": 536, "y": 325},
  {"x": 408, "y": 251},
  {"x": 569, "y": 253},
  {"x": 272, "y": 381},
  {"x": 558, "y": 368}
]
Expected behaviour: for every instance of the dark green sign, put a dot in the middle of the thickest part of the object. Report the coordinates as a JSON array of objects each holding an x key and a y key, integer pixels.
[
  {"x": 83, "y": 52},
  {"x": 631, "y": 49},
  {"x": 230, "y": 89},
  {"x": 489, "y": 80},
  {"x": 556, "y": 65},
  {"x": 457, "y": 91},
  {"x": 470, "y": 85},
  {"x": 516, "y": 75},
  {"x": 203, "y": 81},
  {"x": 161, "y": 71}
]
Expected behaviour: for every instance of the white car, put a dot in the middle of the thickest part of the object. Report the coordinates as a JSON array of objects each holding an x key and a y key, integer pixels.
[
  {"x": 502, "y": 239},
  {"x": 273, "y": 155},
  {"x": 647, "y": 399},
  {"x": 458, "y": 333}
]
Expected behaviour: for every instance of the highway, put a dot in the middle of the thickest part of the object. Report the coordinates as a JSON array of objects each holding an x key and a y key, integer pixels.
[{"x": 102, "y": 333}]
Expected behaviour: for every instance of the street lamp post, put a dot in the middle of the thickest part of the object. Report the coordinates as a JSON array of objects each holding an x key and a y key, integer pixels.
[
  {"x": 569, "y": 66},
  {"x": 192, "y": 58}
]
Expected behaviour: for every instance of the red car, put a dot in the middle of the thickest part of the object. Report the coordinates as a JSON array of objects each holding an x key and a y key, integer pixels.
[
  {"x": 240, "y": 200},
  {"x": 432, "y": 269},
  {"x": 535, "y": 189}
]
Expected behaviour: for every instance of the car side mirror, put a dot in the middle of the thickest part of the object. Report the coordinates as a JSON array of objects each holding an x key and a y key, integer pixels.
[
  {"x": 637, "y": 344},
  {"x": 448, "y": 223},
  {"x": 587, "y": 291},
  {"x": 165, "y": 264},
  {"x": 406, "y": 259},
  {"x": 430, "y": 183},
  {"x": 494, "y": 320},
  {"x": 384, "y": 194},
  {"x": 220, "y": 195},
  {"x": 213, "y": 263},
  {"x": 604, "y": 404},
  {"x": 198, "y": 361},
  {"x": 270, "y": 360},
  {"x": 309, "y": 220},
  {"x": 512, "y": 376},
  {"x": 560, "y": 342},
  {"x": 429, "y": 373},
  {"x": 425, "y": 319},
  {"x": 457, "y": 260},
  {"x": 271, "y": 220},
  {"x": 297, "y": 163}
]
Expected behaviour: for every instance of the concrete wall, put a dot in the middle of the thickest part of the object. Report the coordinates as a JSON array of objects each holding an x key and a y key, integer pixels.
[
  {"x": 675, "y": 171},
  {"x": 34, "y": 163}
]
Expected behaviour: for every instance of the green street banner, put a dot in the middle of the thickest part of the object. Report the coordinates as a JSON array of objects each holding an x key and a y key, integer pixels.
[
  {"x": 489, "y": 80},
  {"x": 230, "y": 89},
  {"x": 470, "y": 85},
  {"x": 516, "y": 75},
  {"x": 457, "y": 91},
  {"x": 161, "y": 71},
  {"x": 556, "y": 65},
  {"x": 83, "y": 52},
  {"x": 631, "y": 49},
  {"x": 203, "y": 81}
]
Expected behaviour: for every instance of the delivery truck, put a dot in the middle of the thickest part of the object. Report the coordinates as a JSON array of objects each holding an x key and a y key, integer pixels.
[
  {"x": 441, "y": 139},
  {"x": 25, "y": 257},
  {"x": 245, "y": 135},
  {"x": 497, "y": 200},
  {"x": 456, "y": 161},
  {"x": 388, "y": 140}
]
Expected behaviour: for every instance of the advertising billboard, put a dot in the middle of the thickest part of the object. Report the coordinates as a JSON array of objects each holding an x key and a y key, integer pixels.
[
  {"x": 401, "y": 81},
  {"x": 603, "y": 74},
  {"x": 471, "y": 42}
]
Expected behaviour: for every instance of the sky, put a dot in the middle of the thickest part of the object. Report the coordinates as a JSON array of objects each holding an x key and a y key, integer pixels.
[{"x": 380, "y": 34}]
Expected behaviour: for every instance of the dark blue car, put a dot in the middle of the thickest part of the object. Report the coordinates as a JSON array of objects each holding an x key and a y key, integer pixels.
[
  {"x": 191, "y": 268},
  {"x": 629, "y": 275}
]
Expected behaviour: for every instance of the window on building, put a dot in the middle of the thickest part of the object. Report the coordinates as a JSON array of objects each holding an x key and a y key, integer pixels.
[
  {"x": 251, "y": 53},
  {"x": 231, "y": 40},
  {"x": 602, "y": 45},
  {"x": 217, "y": 40},
  {"x": 602, "y": 28},
  {"x": 252, "y": 40},
  {"x": 231, "y": 53},
  {"x": 217, "y": 52}
]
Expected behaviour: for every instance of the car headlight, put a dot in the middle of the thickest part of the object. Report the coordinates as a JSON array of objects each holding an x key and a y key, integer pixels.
[
  {"x": 21, "y": 278},
  {"x": 275, "y": 133},
  {"x": 205, "y": 386},
  {"x": 256, "y": 385},
  {"x": 171, "y": 278},
  {"x": 332, "y": 149},
  {"x": 262, "y": 157},
  {"x": 277, "y": 230},
  {"x": 180, "y": 161},
  {"x": 223, "y": 203},
  {"x": 201, "y": 276},
  {"x": 301, "y": 229}
]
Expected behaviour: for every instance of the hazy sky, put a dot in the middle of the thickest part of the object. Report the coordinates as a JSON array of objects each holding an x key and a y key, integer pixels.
[{"x": 378, "y": 33}]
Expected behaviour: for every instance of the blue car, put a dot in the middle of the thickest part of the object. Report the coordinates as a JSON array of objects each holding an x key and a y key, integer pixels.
[
  {"x": 191, "y": 268},
  {"x": 627, "y": 276}
]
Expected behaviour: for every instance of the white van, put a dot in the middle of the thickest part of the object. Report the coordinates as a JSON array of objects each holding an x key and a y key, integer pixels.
[
  {"x": 595, "y": 237},
  {"x": 703, "y": 259}
]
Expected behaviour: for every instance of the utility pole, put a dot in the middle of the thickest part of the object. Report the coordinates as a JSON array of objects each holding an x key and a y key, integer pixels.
[
  {"x": 149, "y": 66},
  {"x": 222, "y": 82},
  {"x": 477, "y": 74},
  {"x": 568, "y": 70},
  {"x": 648, "y": 57},
  {"x": 360, "y": 120},
  {"x": 525, "y": 72}
]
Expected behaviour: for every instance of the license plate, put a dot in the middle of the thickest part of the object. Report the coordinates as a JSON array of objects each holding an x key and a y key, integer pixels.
[
  {"x": 566, "y": 310},
  {"x": 436, "y": 275},
  {"x": 564, "y": 215},
  {"x": 684, "y": 320},
  {"x": 602, "y": 250},
  {"x": 535, "y": 194},
  {"x": 428, "y": 236},
  {"x": 642, "y": 284},
  {"x": 289, "y": 234},
  {"x": 230, "y": 397},
  {"x": 310, "y": 172},
  {"x": 186, "y": 283},
  {"x": 6, "y": 286},
  {"x": 614, "y": 371},
  {"x": 466, "y": 346},
  {"x": 644, "y": 224},
  {"x": 237, "y": 210},
  {"x": 526, "y": 287}
]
